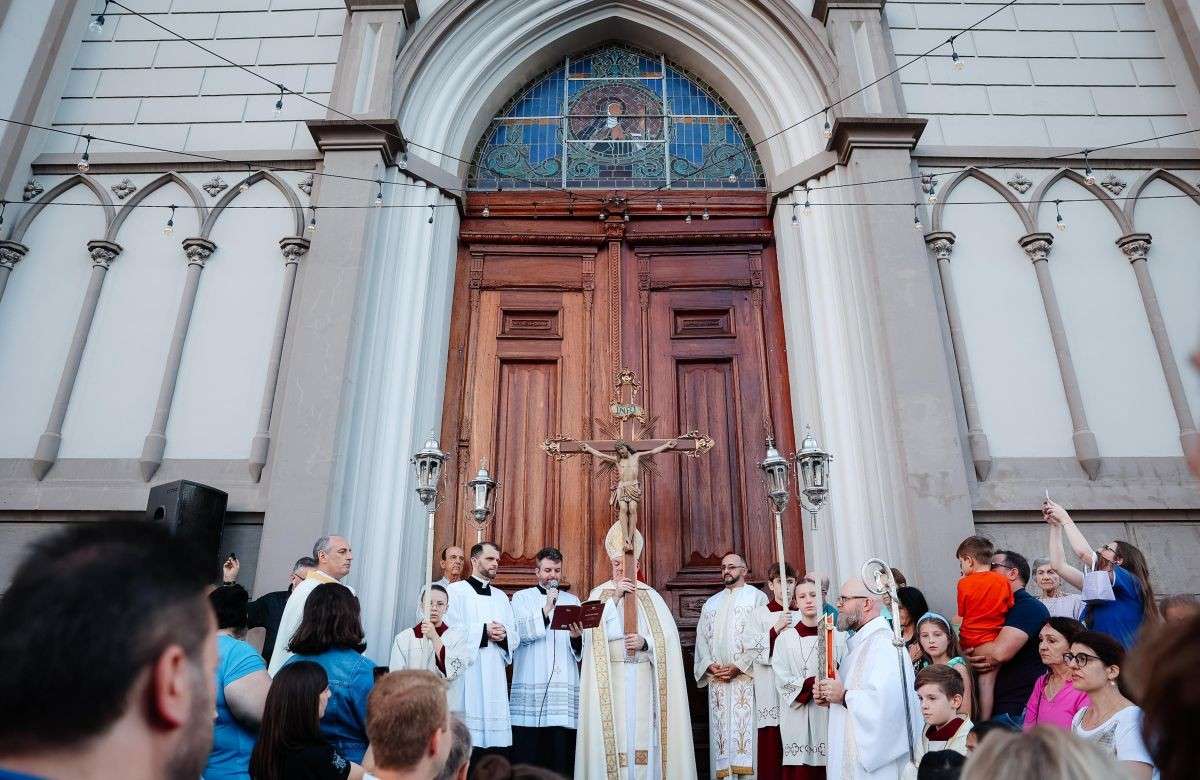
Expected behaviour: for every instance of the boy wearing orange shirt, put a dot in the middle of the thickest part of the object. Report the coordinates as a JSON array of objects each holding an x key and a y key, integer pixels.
[{"x": 984, "y": 596}]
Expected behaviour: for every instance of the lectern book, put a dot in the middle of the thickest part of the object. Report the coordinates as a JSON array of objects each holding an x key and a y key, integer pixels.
[{"x": 588, "y": 614}]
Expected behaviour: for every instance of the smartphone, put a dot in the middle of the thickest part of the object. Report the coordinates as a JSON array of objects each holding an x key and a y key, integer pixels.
[{"x": 231, "y": 557}]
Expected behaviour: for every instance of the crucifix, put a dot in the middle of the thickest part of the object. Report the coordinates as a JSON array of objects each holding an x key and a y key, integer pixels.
[{"x": 629, "y": 448}]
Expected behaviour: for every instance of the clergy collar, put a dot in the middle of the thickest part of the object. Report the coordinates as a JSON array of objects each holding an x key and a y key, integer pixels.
[
  {"x": 317, "y": 574},
  {"x": 479, "y": 586},
  {"x": 945, "y": 732},
  {"x": 443, "y": 628}
]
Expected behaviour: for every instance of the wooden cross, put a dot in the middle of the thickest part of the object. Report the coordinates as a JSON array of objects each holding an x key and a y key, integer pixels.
[{"x": 630, "y": 446}]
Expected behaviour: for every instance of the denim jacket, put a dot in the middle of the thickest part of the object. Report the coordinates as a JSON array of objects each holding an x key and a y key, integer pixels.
[{"x": 351, "y": 677}]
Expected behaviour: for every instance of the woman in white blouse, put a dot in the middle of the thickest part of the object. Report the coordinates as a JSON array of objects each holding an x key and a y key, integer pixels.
[{"x": 1111, "y": 721}]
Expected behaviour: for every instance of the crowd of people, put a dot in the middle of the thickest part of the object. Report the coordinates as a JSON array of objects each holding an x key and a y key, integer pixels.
[{"x": 123, "y": 660}]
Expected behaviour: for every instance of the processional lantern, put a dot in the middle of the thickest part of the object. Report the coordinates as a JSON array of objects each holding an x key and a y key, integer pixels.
[
  {"x": 427, "y": 468},
  {"x": 812, "y": 474},
  {"x": 481, "y": 497},
  {"x": 774, "y": 472}
]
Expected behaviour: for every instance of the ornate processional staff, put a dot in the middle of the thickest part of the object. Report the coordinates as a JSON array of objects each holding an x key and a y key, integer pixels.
[
  {"x": 812, "y": 473},
  {"x": 629, "y": 448}
]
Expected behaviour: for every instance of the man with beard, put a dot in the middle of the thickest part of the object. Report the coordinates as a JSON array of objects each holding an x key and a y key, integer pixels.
[
  {"x": 727, "y": 644},
  {"x": 868, "y": 738},
  {"x": 109, "y": 657},
  {"x": 334, "y": 557},
  {"x": 484, "y": 615},
  {"x": 451, "y": 565}
]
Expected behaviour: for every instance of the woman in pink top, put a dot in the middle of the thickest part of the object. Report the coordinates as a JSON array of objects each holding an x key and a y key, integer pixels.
[{"x": 1055, "y": 700}]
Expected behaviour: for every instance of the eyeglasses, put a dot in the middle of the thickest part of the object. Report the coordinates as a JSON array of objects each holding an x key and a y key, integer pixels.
[
  {"x": 1002, "y": 566},
  {"x": 843, "y": 599},
  {"x": 1079, "y": 660}
]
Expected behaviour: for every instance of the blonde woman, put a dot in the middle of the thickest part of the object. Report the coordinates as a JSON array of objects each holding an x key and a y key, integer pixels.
[{"x": 1045, "y": 752}]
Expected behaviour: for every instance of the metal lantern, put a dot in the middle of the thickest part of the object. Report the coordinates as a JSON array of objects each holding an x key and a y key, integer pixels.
[
  {"x": 812, "y": 472},
  {"x": 774, "y": 471},
  {"x": 481, "y": 495},
  {"x": 427, "y": 467}
]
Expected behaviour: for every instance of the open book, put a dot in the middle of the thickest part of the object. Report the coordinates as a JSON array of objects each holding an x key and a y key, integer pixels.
[{"x": 588, "y": 614}]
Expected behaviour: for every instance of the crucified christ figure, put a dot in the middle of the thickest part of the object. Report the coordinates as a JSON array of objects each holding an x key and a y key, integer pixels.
[{"x": 628, "y": 491}]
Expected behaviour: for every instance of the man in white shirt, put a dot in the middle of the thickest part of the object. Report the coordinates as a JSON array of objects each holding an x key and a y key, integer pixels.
[
  {"x": 333, "y": 556},
  {"x": 451, "y": 564},
  {"x": 545, "y": 684}
]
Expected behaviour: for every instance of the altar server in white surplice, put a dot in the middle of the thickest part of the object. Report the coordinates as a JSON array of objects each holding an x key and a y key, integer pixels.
[
  {"x": 433, "y": 645},
  {"x": 544, "y": 700},
  {"x": 644, "y": 694},
  {"x": 868, "y": 737},
  {"x": 769, "y": 621},
  {"x": 483, "y": 613},
  {"x": 727, "y": 644}
]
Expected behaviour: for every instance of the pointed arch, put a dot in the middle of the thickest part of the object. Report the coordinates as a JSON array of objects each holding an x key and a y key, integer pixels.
[
  {"x": 1039, "y": 194},
  {"x": 1140, "y": 185},
  {"x": 210, "y": 222},
  {"x": 192, "y": 191},
  {"x": 975, "y": 173},
  {"x": 19, "y": 229}
]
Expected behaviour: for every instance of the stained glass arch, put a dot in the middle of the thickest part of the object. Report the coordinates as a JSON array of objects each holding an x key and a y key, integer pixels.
[{"x": 616, "y": 117}]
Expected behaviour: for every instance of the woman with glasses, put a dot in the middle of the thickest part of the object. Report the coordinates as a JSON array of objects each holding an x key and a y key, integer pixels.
[
  {"x": 1111, "y": 721},
  {"x": 1055, "y": 699},
  {"x": 1117, "y": 590}
]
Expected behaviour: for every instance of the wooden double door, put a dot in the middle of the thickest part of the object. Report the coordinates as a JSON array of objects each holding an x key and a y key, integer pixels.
[{"x": 547, "y": 308}]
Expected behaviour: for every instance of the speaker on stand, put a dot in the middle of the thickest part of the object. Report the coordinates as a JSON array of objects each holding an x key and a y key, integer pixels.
[{"x": 193, "y": 513}]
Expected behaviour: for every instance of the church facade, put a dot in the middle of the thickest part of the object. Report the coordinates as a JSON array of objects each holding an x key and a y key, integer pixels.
[{"x": 459, "y": 219}]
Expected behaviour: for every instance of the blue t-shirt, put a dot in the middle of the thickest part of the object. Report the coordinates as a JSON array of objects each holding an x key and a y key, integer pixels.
[
  {"x": 232, "y": 742},
  {"x": 351, "y": 677},
  {"x": 8, "y": 774},
  {"x": 1122, "y": 617}
]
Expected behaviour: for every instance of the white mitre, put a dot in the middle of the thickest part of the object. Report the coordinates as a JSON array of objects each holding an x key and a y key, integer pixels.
[{"x": 614, "y": 542}]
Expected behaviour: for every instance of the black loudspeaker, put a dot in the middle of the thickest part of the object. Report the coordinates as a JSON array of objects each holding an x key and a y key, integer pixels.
[{"x": 192, "y": 512}]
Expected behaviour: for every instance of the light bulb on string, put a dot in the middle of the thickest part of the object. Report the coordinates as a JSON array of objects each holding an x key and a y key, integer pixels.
[
  {"x": 828, "y": 130},
  {"x": 431, "y": 209},
  {"x": 932, "y": 196},
  {"x": 312, "y": 223},
  {"x": 1089, "y": 176},
  {"x": 627, "y": 216},
  {"x": 83, "y": 163},
  {"x": 486, "y": 211},
  {"x": 404, "y": 158},
  {"x": 807, "y": 205},
  {"x": 658, "y": 205},
  {"x": 379, "y": 195},
  {"x": 169, "y": 228},
  {"x": 704, "y": 215},
  {"x": 245, "y": 185},
  {"x": 1059, "y": 222},
  {"x": 732, "y": 178},
  {"x": 97, "y": 25},
  {"x": 688, "y": 219},
  {"x": 279, "y": 102},
  {"x": 956, "y": 61},
  {"x": 916, "y": 219},
  {"x": 795, "y": 218},
  {"x": 603, "y": 215}
]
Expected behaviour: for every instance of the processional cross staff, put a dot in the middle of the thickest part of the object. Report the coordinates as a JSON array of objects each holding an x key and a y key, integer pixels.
[{"x": 629, "y": 449}]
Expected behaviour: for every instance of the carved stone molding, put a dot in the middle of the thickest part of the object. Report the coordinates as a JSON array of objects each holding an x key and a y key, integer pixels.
[
  {"x": 103, "y": 253},
  {"x": 874, "y": 132},
  {"x": 293, "y": 248},
  {"x": 11, "y": 253},
  {"x": 1135, "y": 246},
  {"x": 1113, "y": 184},
  {"x": 941, "y": 244},
  {"x": 214, "y": 186},
  {"x": 124, "y": 188},
  {"x": 1020, "y": 182},
  {"x": 345, "y": 135},
  {"x": 32, "y": 190},
  {"x": 198, "y": 250},
  {"x": 1037, "y": 246},
  {"x": 306, "y": 184}
]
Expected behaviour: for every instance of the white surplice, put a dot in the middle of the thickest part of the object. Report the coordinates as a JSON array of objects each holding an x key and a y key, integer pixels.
[
  {"x": 545, "y": 680},
  {"x": 868, "y": 739},
  {"x": 412, "y": 652},
  {"x": 803, "y": 724},
  {"x": 727, "y": 634},
  {"x": 293, "y": 614},
  {"x": 645, "y": 696},
  {"x": 483, "y": 704},
  {"x": 766, "y": 698}
]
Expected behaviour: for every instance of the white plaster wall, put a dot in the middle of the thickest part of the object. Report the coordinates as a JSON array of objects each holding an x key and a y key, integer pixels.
[
  {"x": 1174, "y": 224},
  {"x": 1121, "y": 381},
  {"x": 37, "y": 316},
  {"x": 225, "y": 357},
  {"x": 1017, "y": 385},
  {"x": 122, "y": 367},
  {"x": 19, "y": 36}
]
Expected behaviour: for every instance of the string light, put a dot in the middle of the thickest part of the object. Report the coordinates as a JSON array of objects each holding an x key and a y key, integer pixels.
[
  {"x": 486, "y": 211},
  {"x": 603, "y": 215},
  {"x": 916, "y": 219},
  {"x": 279, "y": 102},
  {"x": 312, "y": 223},
  {"x": 626, "y": 216},
  {"x": 932, "y": 197},
  {"x": 1088, "y": 175},
  {"x": 431, "y": 209},
  {"x": 83, "y": 163},
  {"x": 97, "y": 25},
  {"x": 379, "y": 195},
  {"x": 658, "y": 205},
  {"x": 1059, "y": 222},
  {"x": 404, "y": 160},
  {"x": 688, "y": 218},
  {"x": 169, "y": 228},
  {"x": 807, "y": 206},
  {"x": 732, "y": 177},
  {"x": 958, "y": 64},
  {"x": 828, "y": 130},
  {"x": 795, "y": 219},
  {"x": 245, "y": 185},
  {"x": 704, "y": 216}
]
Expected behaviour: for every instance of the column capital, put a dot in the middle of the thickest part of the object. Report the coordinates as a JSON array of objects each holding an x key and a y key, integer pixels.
[
  {"x": 353, "y": 135},
  {"x": 293, "y": 248},
  {"x": 1135, "y": 245},
  {"x": 198, "y": 250},
  {"x": 1037, "y": 245},
  {"x": 103, "y": 252},
  {"x": 941, "y": 243},
  {"x": 873, "y": 132},
  {"x": 821, "y": 8},
  {"x": 11, "y": 253}
]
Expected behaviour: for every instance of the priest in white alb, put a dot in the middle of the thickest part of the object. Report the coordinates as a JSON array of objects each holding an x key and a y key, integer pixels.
[
  {"x": 727, "y": 644},
  {"x": 435, "y": 646},
  {"x": 544, "y": 699},
  {"x": 633, "y": 709},
  {"x": 484, "y": 615},
  {"x": 872, "y": 696},
  {"x": 333, "y": 556}
]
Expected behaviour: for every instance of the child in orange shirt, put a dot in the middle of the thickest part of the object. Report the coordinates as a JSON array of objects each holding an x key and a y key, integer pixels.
[{"x": 984, "y": 597}]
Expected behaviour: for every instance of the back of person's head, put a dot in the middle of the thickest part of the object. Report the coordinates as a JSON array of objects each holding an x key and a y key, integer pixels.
[
  {"x": 982, "y": 729},
  {"x": 408, "y": 720},
  {"x": 229, "y": 603},
  {"x": 773, "y": 571},
  {"x": 291, "y": 717},
  {"x": 1045, "y": 753},
  {"x": 93, "y": 616},
  {"x": 305, "y": 562},
  {"x": 941, "y": 765},
  {"x": 459, "y": 758},
  {"x": 913, "y": 601},
  {"x": 492, "y": 767},
  {"x": 1179, "y": 607},
  {"x": 1134, "y": 562},
  {"x": 1164, "y": 664},
  {"x": 978, "y": 548},
  {"x": 331, "y": 620}
]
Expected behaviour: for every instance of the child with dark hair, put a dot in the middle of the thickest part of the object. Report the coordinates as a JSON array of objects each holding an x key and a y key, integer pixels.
[
  {"x": 981, "y": 730},
  {"x": 912, "y": 606},
  {"x": 984, "y": 596},
  {"x": 941, "y": 765},
  {"x": 940, "y": 690}
]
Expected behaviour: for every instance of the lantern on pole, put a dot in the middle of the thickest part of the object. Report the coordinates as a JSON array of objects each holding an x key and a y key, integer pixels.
[
  {"x": 774, "y": 472},
  {"x": 481, "y": 498},
  {"x": 812, "y": 473},
  {"x": 427, "y": 470}
]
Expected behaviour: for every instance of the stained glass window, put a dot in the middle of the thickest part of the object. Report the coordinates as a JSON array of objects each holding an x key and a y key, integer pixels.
[{"x": 616, "y": 117}]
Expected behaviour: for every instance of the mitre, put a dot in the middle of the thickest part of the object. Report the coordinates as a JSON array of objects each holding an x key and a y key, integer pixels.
[{"x": 614, "y": 542}]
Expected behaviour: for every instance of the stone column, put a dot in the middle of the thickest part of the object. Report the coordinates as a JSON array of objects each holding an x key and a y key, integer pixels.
[
  {"x": 11, "y": 253},
  {"x": 1037, "y": 247},
  {"x": 293, "y": 249},
  {"x": 197, "y": 251},
  {"x": 103, "y": 253},
  {"x": 942, "y": 245},
  {"x": 1136, "y": 247}
]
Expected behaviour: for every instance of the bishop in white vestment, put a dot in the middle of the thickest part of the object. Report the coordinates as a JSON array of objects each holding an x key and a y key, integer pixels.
[
  {"x": 868, "y": 738},
  {"x": 633, "y": 716},
  {"x": 544, "y": 699},
  {"x": 334, "y": 557},
  {"x": 727, "y": 645},
  {"x": 433, "y": 645},
  {"x": 484, "y": 615}
]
